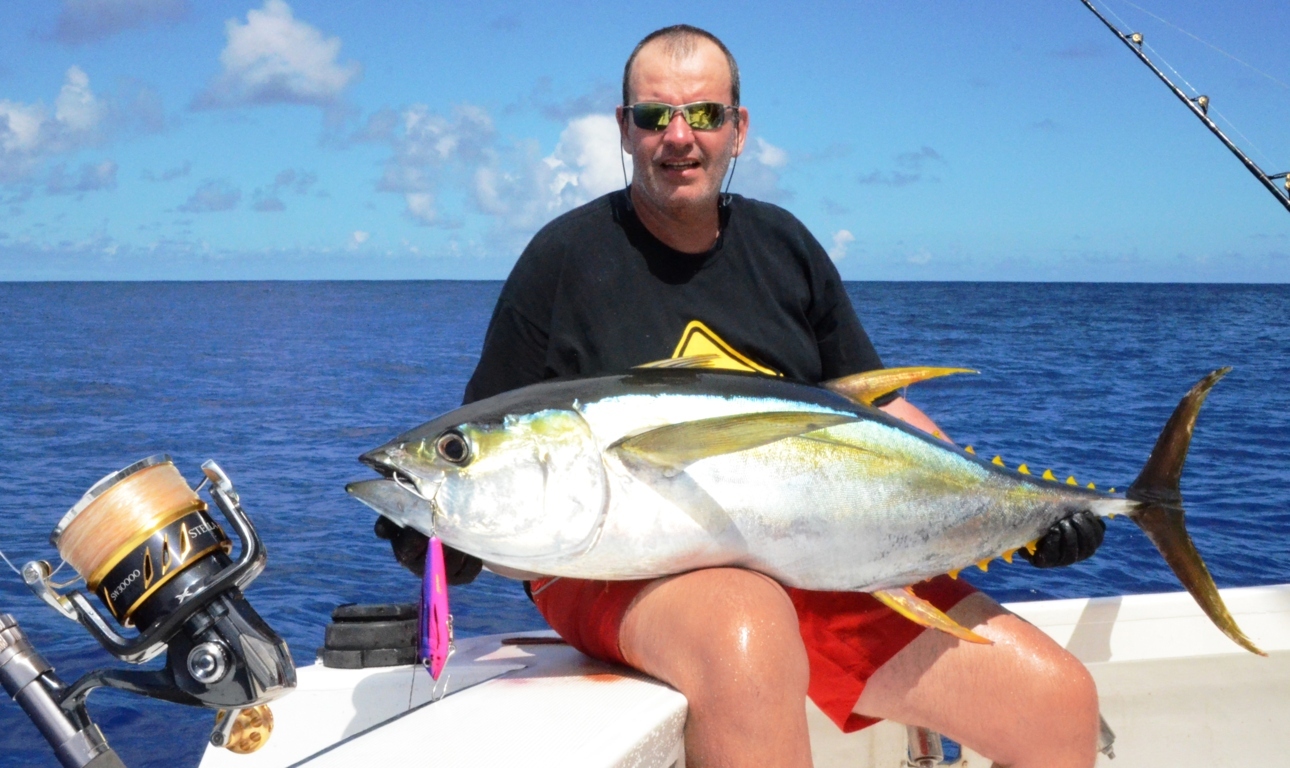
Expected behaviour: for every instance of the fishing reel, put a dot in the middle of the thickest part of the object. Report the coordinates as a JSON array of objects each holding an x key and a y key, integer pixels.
[{"x": 147, "y": 548}]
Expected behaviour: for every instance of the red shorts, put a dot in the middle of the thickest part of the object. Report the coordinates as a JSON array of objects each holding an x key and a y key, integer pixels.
[{"x": 848, "y": 635}]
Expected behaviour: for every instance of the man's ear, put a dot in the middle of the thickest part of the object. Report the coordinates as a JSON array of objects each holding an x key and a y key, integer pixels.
[
  {"x": 620, "y": 114},
  {"x": 741, "y": 130}
]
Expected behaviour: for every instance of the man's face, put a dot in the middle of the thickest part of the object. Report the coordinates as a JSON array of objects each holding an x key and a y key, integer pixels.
[{"x": 680, "y": 169}]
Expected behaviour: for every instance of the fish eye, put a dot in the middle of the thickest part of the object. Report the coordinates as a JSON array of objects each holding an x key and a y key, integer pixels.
[{"x": 452, "y": 446}]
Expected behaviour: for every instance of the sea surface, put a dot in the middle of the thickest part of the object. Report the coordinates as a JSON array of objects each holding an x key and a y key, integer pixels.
[{"x": 286, "y": 383}]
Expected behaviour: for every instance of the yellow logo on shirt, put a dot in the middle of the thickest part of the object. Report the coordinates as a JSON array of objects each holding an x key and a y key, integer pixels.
[{"x": 698, "y": 339}]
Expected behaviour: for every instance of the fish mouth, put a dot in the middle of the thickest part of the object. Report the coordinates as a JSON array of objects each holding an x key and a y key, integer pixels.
[
  {"x": 396, "y": 501},
  {"x": 400, "y": 495}
]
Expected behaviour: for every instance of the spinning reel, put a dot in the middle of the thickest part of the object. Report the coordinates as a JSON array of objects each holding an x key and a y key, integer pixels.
[{"x": 146, "y": 547}]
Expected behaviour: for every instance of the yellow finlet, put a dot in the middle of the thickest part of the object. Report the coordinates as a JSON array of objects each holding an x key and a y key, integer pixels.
[
  {"x": 1031, "y": 546},
  {"x": 1112, "y": 490},
  {"x": 984, "y": 565},
  {"x": 866, "y": 387},
  {"x": 1007, "y": 556},
  {"x": 970, "y": 450},
  {"x": 1048, "y": 475},
  {"x": 997, "y": 460},
  {"x": 1111, "y": 516},
  {"x": 1071, "y": 480},
  {"x": 1091, "y": 487},
  {"x": 954, "y": 574},
  {"x": 1023, "y": 469},
  {"x": 923, "y": 613}
]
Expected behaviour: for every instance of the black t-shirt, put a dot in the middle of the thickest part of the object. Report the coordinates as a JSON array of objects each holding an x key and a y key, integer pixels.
[{"x": 596, "y": 293}]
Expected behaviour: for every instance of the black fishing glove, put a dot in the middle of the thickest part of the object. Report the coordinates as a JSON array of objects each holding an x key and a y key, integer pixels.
[
  {"x": 409, "y": 546},
  {"x": 1069, "y": 540}
]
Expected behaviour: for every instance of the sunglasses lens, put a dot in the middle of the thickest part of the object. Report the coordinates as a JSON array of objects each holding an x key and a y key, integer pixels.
[
  {"x": 651, "y": 117},
  {"x": 705, "y": 116},
  {"x": 701, "y": 116}
]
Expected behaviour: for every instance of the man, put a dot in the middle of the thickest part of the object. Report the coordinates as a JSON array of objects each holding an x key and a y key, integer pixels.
[{"x": 672, "y": 267}]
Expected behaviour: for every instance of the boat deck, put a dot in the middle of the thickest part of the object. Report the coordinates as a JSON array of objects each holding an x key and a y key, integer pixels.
[{"x": 1175, "y": 691}]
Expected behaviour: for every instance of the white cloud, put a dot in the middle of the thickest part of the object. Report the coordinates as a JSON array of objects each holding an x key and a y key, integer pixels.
[
  {"x": 429, "y": 147},
  {"x": 911, "y": 168},
  {"x": 420, "y": 206},
  {"x": 591, "y": 157},
  {"x": 275, "y": 58},
  {"x": 436, "y": 158},
  {"x": 29, "y": 133},
  {"x": 525, "y": 190},
  {"x": 770, "y": 155},
  {"x": 841, "y": 240},
  {"x": 76, "y": 107},
  {"x": 92, "y": 177},
  {"x": 213, "y": 195},
  {"x": 757, "y": 172},
  {"x": 170, "y": 174},
  {"x": 84, "y": 21},
  {"x": 358, "y": 238},
  {"x": 20, "y": 126}
]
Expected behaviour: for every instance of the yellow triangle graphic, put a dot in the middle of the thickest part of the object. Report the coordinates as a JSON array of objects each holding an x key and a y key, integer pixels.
[{"x": 699, "y": 339}]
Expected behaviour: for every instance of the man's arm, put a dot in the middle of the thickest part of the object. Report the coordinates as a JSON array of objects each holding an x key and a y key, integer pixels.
[
  {"x": 911, "y": 415},
  {"x": 1068, "y": 541}
]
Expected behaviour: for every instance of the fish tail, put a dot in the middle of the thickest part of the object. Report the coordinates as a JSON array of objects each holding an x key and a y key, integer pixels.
[{"x": 1160, "y": 513}]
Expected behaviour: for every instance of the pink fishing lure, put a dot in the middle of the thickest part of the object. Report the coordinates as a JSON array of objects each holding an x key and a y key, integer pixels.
[{"x": 435, "y": 622}]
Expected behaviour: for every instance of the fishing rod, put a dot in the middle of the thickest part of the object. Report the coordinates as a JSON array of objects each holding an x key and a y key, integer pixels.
[{"x": 1199, "y": 107}]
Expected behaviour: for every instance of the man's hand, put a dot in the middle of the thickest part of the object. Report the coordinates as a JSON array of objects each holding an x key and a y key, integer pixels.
[
  {"x": 409, "y": 547},
  {"x": 1069, "y": 540}
]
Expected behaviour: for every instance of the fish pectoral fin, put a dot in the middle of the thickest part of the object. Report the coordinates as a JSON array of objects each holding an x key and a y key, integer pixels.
[
  {"x": 676, "y": 446},
  {"x": 866, "y": 387},
  {"x": 693, "y": 361},
  {"x": 919, "y": 611}
]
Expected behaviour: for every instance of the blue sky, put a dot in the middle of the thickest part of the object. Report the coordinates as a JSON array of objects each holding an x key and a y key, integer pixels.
[{"x": 171, "y": 139}]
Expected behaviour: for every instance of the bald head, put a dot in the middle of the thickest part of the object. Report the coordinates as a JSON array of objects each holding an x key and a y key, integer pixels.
[{"x": 680, "y": 42}]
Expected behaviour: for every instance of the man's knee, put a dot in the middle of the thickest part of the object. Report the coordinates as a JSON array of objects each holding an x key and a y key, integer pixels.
[
  {"x": 1070, "y": 694},
  {"x": 1058, "y": 697},
  {"x": 718, "y": 632}
]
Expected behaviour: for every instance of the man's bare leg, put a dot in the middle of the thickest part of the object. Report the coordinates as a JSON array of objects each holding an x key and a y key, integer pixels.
[
  {"x": 1023, "y": 701},
  {"x": 727, "y": 639}
]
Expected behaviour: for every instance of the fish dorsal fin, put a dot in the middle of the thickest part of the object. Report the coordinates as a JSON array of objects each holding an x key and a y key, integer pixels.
[
  {"x": 676, "y": 446},
  {"x": 693, "y": 361},
  {"x": 866, "y": 387},
  {"x": 916, "y": 609}
]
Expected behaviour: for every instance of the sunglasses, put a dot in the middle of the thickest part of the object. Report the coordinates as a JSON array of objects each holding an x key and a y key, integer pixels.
[{"x": 700, "y": 116}]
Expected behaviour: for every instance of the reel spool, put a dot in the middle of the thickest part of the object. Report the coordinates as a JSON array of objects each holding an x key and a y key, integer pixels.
[
  {"x": 142, "y": 540},
  {"x": 150, "y": 551}
]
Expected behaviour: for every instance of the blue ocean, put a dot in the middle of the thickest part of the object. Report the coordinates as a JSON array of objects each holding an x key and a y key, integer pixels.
[{"x": 286, "y": 383}]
